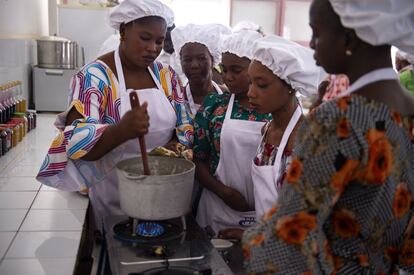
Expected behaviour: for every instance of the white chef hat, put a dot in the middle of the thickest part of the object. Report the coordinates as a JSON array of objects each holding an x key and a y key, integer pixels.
[
  {"x": 240, "y": 43},
  {"x": 379, "y": 22},
  {"x": 291, "y": 62},
  {"x": 208, "y": 35},
  {"x": 405, "y": 56},
  {"x": 130, "y": 10},
  {"x": 247, "y": 25}
]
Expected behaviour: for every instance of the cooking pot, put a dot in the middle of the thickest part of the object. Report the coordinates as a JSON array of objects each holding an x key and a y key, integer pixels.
[
  {"x": 165, "y": 194},
  {"x": 56, "y": 53}
]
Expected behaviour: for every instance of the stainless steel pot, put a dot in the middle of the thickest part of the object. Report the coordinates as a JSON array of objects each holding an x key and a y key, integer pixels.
[
  {"x": 56, "y": 53},
  {"x": 164, "y": 195}
]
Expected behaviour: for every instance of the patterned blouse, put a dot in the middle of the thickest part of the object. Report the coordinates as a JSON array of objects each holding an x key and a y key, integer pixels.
[
  {"x": 347, "y": 199},
  {"x": 266, "y": 155},
  {"x": 95, "y": 95},
  {"x": 407, "y": 78},
  {"x": 209, "y": 121}
]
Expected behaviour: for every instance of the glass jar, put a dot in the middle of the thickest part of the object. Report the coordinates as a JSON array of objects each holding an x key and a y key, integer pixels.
[{"x": 13, "y": 134}]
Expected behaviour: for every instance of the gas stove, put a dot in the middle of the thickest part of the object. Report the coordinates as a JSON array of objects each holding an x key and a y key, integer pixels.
[{"x": 176, "y": 246}]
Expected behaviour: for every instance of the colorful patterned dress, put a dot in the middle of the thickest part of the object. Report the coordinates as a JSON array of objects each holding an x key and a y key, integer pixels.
[
  {"x": 95, "y": 95},
  {"x": 209, "y": 121},
  {"x": 347, "y": 198}
]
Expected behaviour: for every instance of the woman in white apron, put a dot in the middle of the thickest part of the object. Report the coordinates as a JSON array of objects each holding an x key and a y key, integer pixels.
[
  {"x": 100, "y": 129},
  {"x": 198, "y": 51},
  {"x": 226, "y": 139},
  {"x": 270, "y": 93},
  {"x": 277, "y": 73},
  {"x": 345, "y": 206}
]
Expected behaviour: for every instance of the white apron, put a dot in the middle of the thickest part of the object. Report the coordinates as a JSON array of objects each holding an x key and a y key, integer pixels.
[
  {"x": 238, "y": 143},
  {"x": 105, "y": 196},
  {"x": 266, "y": 177},
  {"x": 193, "y": 106}
]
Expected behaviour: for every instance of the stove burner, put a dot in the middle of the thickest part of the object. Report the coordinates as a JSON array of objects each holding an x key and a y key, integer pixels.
[
  {"x": 176, "y": 270},
  {"x": 150, "y": 229},
  {"x": 170, "y": 231}
]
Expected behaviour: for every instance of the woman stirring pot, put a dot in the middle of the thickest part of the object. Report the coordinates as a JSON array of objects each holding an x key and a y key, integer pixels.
[{"x": 100, "y": 129}]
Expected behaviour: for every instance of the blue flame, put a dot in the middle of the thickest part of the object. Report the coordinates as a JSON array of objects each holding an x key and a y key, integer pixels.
[{"x": 150, "y": 229}]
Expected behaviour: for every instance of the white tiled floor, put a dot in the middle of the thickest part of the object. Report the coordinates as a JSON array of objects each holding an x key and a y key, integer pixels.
[{"x": 40, "y": 227}]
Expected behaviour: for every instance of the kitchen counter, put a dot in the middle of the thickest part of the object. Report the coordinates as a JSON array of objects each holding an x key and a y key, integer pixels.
[{"x": 40, "y": 227}]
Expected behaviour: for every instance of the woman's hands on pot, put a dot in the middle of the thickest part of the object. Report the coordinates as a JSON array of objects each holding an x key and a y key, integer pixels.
[
  {"x": 234, "y": 199},
  {"x": 134, "y": 123}
]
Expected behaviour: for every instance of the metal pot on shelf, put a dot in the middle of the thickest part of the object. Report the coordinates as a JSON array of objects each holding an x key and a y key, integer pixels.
[
  {"x": 165, "y": 194},
  {"x": 56, "y": 53}
]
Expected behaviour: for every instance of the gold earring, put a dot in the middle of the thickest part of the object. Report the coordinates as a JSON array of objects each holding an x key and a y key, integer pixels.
[{"x": 348, "y": 52}]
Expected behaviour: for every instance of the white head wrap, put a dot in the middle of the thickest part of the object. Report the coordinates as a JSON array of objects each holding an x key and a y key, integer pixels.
[
  {"x": 379, "y": 22},
  {"x": 405, "y": 56},
  {"x": 240, "y": 43},
  {"x": 110, "y": 44},
  {"x": 247, "y": 25},
  {"x": 208, "y": 35},
  {"x": 291, "y": 62},
  {"x": 130, "y": 10}
]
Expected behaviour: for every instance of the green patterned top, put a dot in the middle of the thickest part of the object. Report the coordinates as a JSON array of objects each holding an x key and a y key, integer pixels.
[{"x": 407, "y": 79}]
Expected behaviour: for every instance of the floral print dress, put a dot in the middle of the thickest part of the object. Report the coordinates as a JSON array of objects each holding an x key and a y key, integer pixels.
[
  {"x": 209, "y": 121},
  {"x": 347, "y": 200}
]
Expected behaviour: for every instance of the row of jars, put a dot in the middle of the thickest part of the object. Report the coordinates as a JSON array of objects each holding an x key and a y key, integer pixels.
[
  {"x": 13, "y": 132},
  {"x": 11, "y": 100}
]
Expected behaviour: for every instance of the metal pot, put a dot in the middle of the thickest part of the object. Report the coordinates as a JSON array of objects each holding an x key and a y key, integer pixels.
[
  {"x": 56, "y": 53},
  {"x": 164, "y": 195}
]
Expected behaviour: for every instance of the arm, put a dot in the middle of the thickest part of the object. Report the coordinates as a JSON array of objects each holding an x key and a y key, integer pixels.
[
  {"x": 230, "y": 196},
  {"x": 133, "y": 124}
]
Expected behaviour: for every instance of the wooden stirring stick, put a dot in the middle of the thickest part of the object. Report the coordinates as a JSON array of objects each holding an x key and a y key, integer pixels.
[{"x": 133, "y": 98}]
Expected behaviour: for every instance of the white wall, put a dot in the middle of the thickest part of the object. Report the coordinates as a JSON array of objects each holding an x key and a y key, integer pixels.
[{"x": 24, "y": 18}]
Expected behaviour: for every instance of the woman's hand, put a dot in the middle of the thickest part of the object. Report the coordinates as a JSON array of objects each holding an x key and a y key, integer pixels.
[
  {"x": 234, "y": 199},
  {"x": 134, "y": 123},
  {"x": 231, "y": 233}
]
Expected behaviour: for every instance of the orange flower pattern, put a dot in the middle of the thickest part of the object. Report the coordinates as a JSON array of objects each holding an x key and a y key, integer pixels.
[
  {"x": 343, "y": 129},
  {"x": 342, "y": 177},
  {"x": 345, "y": 223},
  {"x": 407, "y": 253},
  {"x": 380, "y": 158},
  {"x": 343, "y": 103},
  {"x": 402, "y": 201},
  {"x": 258, "y": 240},
  {"x": 350, "y": 188},
  {"x": 268, "y": 215},
  {"x": 294, "y": 229},
  {"x": 294, "y": 172}
]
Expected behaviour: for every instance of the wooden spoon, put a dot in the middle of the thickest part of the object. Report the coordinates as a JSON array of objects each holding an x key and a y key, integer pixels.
[{"x": 133, "y": 98}]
